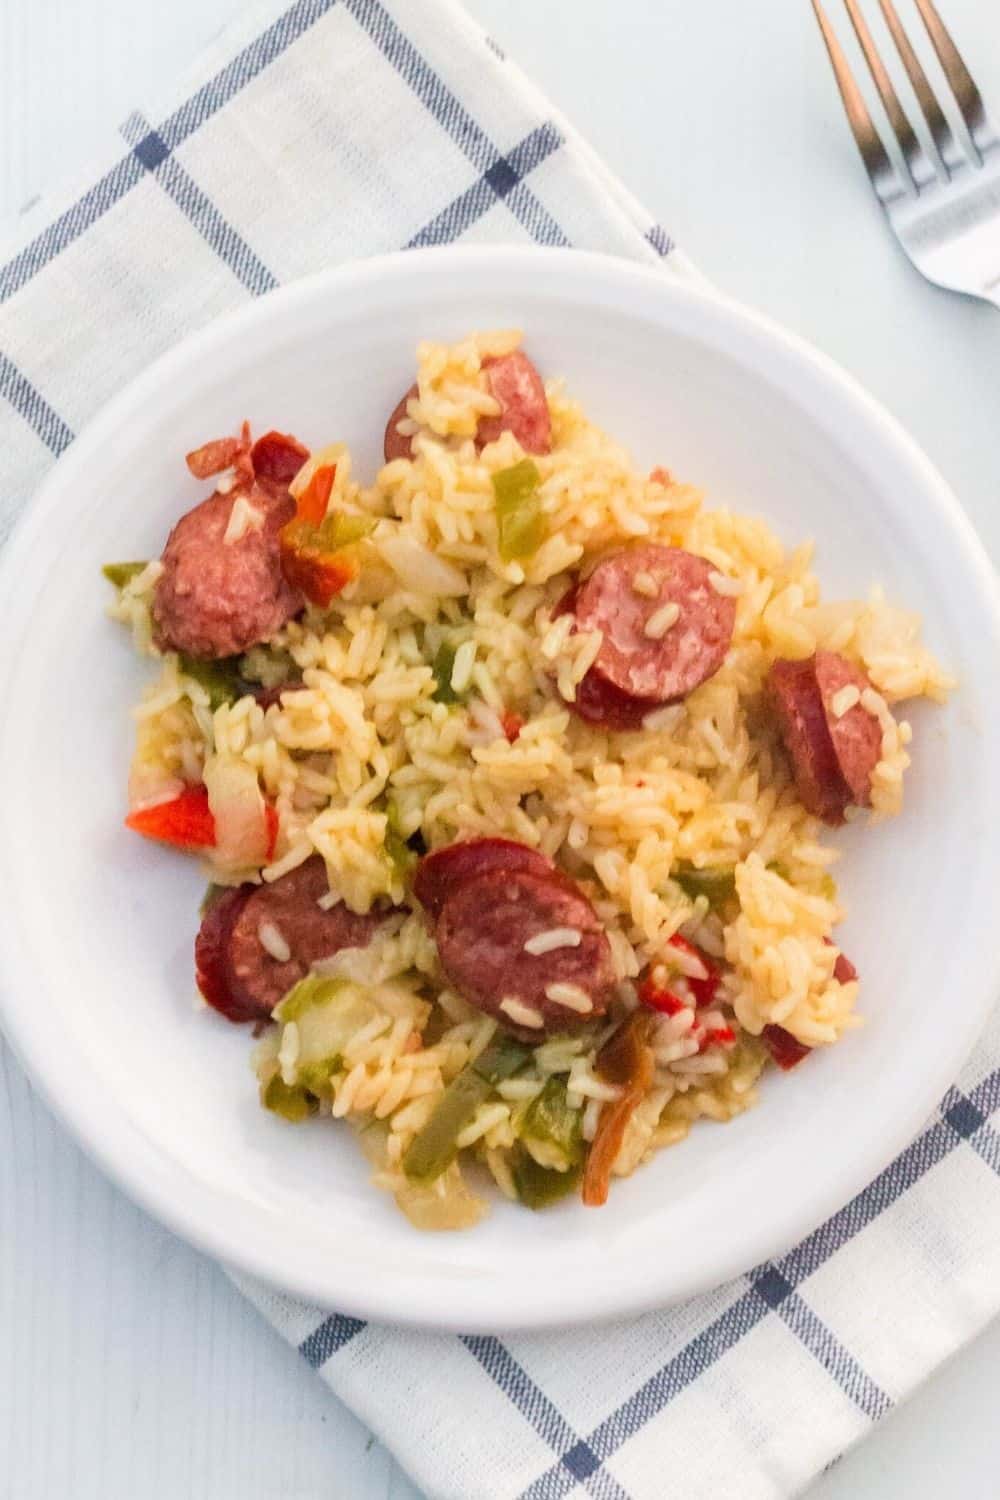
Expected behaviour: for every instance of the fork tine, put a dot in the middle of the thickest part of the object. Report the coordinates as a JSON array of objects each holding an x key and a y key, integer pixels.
[
  {"x": 898, "y": 119},
  {"x": 927, "y": 99},
  {"x": 869, "y": 142},
  {"x": 968, "y": 97}
]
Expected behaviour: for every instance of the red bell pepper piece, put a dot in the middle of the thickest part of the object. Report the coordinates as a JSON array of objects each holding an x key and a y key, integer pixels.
[
  {"x": 786, "y": 1050},
  {"x": 186, "y": 821},
  {"x": 655, "y": 998},
  {"x": 312, "y": 503},
  {"x": 512, "y": 725}
]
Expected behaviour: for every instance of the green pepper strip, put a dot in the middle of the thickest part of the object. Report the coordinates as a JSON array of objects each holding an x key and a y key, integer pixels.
[
  {"x": 443, "y": 666},
  {"x": 537, "y": 1186},
  {"x": 122, "y": 573},
  {"x": 717, "y": 883},
  {"x": 434, "y": 1148},
  {"x": 520, "y": 523},
  {"x": 549, "y": 1118},
  {"x": 221, "y": 679},
  {"x": 290, "y": 1102}
]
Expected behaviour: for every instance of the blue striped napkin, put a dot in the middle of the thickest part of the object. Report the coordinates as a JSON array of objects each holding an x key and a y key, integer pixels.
[{"x": 340, "y": 127}]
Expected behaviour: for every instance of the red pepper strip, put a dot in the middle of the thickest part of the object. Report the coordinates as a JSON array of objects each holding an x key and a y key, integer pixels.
[
  {"x": 664, "y": 1001},
  {"x": 783, "y": 1047},
  {"x": 271, "y": 821},
  {"x": 318, "y": 574},
  {"x": 278, "y": 456},
  {"x": 626, "y": 1059},
  {"x": 703, "y": 990},
  {"x": 185, "y": 821},
  {"x": 716, "y": 1036},
  {"x": 512, "y": 725},
  {"x": 312, "y": 503}
]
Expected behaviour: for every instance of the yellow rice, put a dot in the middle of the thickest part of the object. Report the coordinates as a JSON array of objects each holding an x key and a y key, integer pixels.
[{"x": 707, "y": 786}]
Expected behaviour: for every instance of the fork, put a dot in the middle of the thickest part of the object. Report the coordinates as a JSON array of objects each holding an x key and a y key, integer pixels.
[{"x": 944, "y": 203}]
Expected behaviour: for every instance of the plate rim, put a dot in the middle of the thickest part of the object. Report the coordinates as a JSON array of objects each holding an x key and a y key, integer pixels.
[{"x": 123, "y": 1159}]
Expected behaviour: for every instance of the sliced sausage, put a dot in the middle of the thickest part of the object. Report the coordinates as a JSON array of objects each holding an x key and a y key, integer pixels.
[
  {"x": 442, "y": 871},
  {"x": 211, "y": 954},
  {"x": 481, "y": 936},
  {"x": 394, "y": 444},
  {"x": 797, "y": 705},
  {"x": 239, "y": 974},
  {"x": 277, "y": 457},
  {"x": 630, "y": 597},
  {"x": 600, "y": 703},
  {"x": 856, "y": 734},
  {"x": 216, "y": 598},
  {"x": 514, "y": 382}
]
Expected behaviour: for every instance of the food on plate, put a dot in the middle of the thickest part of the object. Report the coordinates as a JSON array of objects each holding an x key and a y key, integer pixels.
[{"x": 509, "y": 771}]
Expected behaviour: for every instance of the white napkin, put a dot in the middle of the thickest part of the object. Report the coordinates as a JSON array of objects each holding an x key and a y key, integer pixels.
[{"x": 338, "y": 128}]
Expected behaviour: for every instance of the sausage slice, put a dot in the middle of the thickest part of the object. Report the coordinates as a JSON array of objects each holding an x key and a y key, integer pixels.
[
  {"x": 600, "y": 703},
  {"x": 440, "y": 873},
  {"x": 238, "y": 973},
  {"x": 856, "y": 734},
  {"x": 216, "y": 598},
  {"x": 211, "y": 954},
  {"x": 493, "y": 938},
  {"x": 394, "y": 444},
  {"x": 666, "y": 629},
  {"x": 797, "y": 705},
  {"x": 515, "y": 382}
]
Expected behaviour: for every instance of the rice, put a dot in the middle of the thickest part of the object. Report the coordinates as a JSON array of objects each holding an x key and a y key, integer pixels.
[{"x": 701, "y": 785}]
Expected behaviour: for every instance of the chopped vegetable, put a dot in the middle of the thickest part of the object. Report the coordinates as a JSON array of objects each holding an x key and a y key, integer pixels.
[
  {"x": 122, "y": 573},
  {"x": 654, "y": 997},
  {"x": 221, "y": 679},
  {"x": 538, "y": 1186},
  {"x": 786, "y": 1050},
  {"x": 327, "y": 1013},
  {"x": 717, "y": 883},
  {"x": 520, "y": 523},
  {"x": 512, "y": 724},
  {"x": 400, "y": 855},
  {"x": 445, "y": 1203},
  {"x": 435, "y": 1147},
  {"x": 317, "y": 559},
  {"x": 311, "y": 992},
  {"x": 625, "y": 1060},
  {"x": 443, "y": 666},
  {"x": 185, "y": 821},
  {"x": 290, "y": 1101},
  {"x": 243, "y": 831},
  {"x": 311, "y": 504},
  {"x": 420, "y": 570},
  {"x": 551, "y": 1129}
]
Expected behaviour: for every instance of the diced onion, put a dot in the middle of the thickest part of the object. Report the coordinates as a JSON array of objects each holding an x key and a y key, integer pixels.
[
  {"x": 237, "y": 805},
  {"x": 420, "y": 570}
]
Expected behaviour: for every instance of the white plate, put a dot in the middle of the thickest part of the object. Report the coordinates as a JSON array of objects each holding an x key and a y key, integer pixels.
[{"x": 97, "y": 959}]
